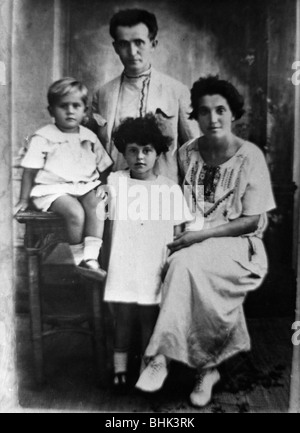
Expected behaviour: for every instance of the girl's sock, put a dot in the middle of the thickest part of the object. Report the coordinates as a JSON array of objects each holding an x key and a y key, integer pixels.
[
  {"x": 120, "y": 362},
  {"x": 77, "y": 252},
  {"x": 92, "y": 246}
]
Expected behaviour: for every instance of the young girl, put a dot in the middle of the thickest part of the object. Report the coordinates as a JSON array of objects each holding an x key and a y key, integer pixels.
[
  {"x": 61, "y": 172},
  {"x": 143, "y": 213}
]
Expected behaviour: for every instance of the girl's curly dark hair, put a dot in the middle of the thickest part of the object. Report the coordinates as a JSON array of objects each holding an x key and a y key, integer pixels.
[
  {"x": 213, "y": 85},
  {"x": 142, "y": 131}
]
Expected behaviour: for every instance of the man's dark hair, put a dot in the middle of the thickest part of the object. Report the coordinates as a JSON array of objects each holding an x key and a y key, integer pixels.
[
  {"x": 142, "y": 131},
  {"x": 213, "y": 85},
  {"x": 132, "y": 17}
]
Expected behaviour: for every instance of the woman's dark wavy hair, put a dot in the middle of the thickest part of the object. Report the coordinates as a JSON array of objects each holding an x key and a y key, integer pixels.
[
  {"x": 142, "y": 131},
  {"x": 213, "y": 85},
  {"x": 132, "y": 17}
]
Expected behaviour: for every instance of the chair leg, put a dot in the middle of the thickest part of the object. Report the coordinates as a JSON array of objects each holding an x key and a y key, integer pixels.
[
  {"x": 98, "y": 337},
  {"x": 36, "y": 317}
]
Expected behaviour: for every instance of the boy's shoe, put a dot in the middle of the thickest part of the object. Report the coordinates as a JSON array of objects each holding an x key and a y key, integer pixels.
[
  {"x": 92, "y": 270},
  {"x": 205, "y": 382},
  {"x": 154, "y": 375}
]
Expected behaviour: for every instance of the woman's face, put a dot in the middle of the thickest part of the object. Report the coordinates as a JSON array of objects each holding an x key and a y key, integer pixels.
[{"x": 214, "y": 116}]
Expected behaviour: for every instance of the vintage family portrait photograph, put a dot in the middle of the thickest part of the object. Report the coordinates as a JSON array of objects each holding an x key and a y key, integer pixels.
[{"x": 150, "y": 222}]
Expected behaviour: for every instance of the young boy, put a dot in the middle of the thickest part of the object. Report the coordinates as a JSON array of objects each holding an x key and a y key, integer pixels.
[{"x": 61, "y": 173}]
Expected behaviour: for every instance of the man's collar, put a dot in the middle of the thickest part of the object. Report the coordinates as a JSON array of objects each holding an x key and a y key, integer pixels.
[{"x": 146, "y": 73}]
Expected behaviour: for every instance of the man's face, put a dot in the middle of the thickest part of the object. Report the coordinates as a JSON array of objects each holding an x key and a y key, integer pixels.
[{"x": 134, "y": 48}]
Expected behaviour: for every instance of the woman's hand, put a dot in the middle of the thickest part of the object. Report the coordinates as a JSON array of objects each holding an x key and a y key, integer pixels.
[
  {"x": 239, "y": 227},
  {"x": 185, "y": 240}
]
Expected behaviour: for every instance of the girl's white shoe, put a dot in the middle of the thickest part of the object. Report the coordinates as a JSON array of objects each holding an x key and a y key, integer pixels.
[{"x": 205, "y": 382}]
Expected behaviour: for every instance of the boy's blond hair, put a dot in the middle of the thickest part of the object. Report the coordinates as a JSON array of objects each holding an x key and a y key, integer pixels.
[{"x": 63, "y": 87}]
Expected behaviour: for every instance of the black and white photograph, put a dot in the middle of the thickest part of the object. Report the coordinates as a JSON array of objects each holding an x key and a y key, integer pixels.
[{"x": 150, "y": 209}]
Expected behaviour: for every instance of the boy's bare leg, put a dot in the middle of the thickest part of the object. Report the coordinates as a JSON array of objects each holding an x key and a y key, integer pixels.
[
  {"x": 94, "y": 214},
  {"x": 93, "y": 234},
  {"x": 73, "y": 213}
]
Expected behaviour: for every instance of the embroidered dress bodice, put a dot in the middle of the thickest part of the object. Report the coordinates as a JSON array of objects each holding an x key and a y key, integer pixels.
[{"x": 218, "y": 195}]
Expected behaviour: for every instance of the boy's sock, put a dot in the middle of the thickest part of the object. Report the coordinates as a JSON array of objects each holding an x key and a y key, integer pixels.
[
  {"x": 77, "y": 252},
  {"x": 120, "y": 362},
  {"x": 92, "y": 246}
]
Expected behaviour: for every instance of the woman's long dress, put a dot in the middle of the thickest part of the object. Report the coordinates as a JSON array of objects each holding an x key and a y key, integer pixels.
[{"x": 201, "y": 322}]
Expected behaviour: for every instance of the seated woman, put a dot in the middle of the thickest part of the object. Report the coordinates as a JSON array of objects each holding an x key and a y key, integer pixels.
[{"x": 220, "y": 257}]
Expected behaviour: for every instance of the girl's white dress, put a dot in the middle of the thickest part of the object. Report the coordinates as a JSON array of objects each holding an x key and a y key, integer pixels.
[{"x": 144, "y": 214}]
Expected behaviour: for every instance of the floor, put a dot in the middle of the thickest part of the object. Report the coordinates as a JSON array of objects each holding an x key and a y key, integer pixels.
[{"x": 255, "y": 382}]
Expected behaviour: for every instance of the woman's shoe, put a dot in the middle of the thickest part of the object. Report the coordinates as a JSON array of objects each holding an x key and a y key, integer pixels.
[
  {"x": 205, "y": 382},
  {"x": 154, "y": 375},
  {"x": 91, "y": 269}
]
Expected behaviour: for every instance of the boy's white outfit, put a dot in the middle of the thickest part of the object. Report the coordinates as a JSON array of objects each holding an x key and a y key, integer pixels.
[
  {"x": 68, "y": 164},
  {"x": 144, "y": 214}
]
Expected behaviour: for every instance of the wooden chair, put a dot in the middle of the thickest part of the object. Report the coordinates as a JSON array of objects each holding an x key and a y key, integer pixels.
[{"x": 44, "y": 240}]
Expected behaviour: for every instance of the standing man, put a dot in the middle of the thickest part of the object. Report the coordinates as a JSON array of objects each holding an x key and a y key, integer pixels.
[{"x": 140, "y": 89}]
